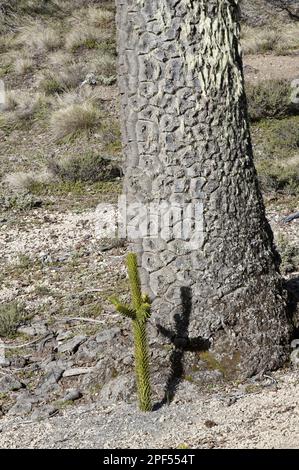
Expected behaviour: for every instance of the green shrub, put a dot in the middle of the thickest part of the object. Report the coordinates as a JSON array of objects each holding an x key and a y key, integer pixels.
[
  {"x": 268, "y": 99},
  {"x": 139, "y": 311},
  {"x": 88, "y": 167},
  {"x": 50, "y": 85},
  {"x": 276, "y": 138},
  {"x": 275, "y": 145},
  {"x": 19, "y": 202},
  {"x": 12, "y": 316},
  {"x": 289, "y": 255},
  {"x": 278, "y": 176}
]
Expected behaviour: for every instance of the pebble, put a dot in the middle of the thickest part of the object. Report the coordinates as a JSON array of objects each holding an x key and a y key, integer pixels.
[{"x": 72, "y": 394}]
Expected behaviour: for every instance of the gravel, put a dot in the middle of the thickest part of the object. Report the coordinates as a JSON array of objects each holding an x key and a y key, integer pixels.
[{"x": 265, "y": 419}]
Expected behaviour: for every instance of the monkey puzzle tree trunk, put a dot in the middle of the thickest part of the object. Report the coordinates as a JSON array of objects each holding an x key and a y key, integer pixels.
[{"x": 186, "y": 138}]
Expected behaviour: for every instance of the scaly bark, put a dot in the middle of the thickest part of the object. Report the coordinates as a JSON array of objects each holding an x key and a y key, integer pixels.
[{"x": 186, "y": 138}]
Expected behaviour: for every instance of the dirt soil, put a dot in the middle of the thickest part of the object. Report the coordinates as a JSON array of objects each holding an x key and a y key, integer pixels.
[
  {"x": 271, "y": 67},
  {"x": 262, "y": 415}
]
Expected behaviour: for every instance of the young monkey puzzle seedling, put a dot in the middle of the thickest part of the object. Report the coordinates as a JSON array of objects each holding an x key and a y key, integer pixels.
[{"x": 139, "y": 311}]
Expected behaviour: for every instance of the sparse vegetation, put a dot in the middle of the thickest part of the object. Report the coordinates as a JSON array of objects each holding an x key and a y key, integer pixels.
[
  {"x": 276, "y": 145},
  {"x": 88, "y": 167},
  {"x": 12, "y": 315},
  {"x": 23, "y": 182},
  {"x": 21, "y": 109},
  {"x": 289, "y": 255},
  {"x": 23, "y": 65},
  {"x": 63, "y": 79},
  {"x": 269, "y": 99},
  {"x": 38, "y": 37},
  {"x": 138, "y": 311},
  {"x": 279, "y": 39},
  {"x": 73, "y": 120},
  {"x": 85, "y": 36}
]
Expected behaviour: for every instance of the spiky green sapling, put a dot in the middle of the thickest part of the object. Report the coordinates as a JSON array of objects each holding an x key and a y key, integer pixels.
[{"x": 138, "y": 311}]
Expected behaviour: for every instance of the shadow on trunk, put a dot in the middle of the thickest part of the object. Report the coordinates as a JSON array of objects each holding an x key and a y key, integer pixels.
[{"x": 182, "y": 343}]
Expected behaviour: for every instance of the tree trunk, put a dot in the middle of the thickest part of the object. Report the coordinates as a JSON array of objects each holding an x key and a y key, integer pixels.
[{"x": 186, "y": 139}]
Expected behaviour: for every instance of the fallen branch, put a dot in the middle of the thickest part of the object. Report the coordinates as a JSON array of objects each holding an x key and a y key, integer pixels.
[
  {"x": 24, "y": 345},
  {"x": 90, "y": 320}
]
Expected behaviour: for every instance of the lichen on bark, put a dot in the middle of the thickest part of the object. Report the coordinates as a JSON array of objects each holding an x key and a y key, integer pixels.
[{"x": 186, "y": 137}]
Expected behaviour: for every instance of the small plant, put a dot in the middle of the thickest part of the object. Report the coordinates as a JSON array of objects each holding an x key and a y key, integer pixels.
[
  {"x": 289, "y": 254},
  {"x": 68, "y": 123},
  {"x": 87, "y": 167},
  {"x": 60, "y": 79},
  {"x": 12, "y": 316},
  {"x": 269, "y": 99},
  {"x": 23, "y": 65},
  {"x": 139, "y": 312}
]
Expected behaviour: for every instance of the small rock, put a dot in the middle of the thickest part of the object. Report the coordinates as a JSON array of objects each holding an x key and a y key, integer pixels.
[
  {"x": 249, "y": 69},
  {"x": 45, "y": 412},
  {"x": 4, "y": 362},
  {"x": 295, "y": 358},
  {"x": 9, "y": 384},
  {"x": 38, "y": 328},
  {"x": 121, "y": 388},
  {"x": 27, "y": 330},
  {"x": 72, "y": 345},
  {"x": 207, "y": 376},
  {"x": 54, "y": 372},
  {"x": 20, "y": 409},
  {"x": 63, "y": 335},
  {"x": 231, "y": 401},
  {"x": 72, "y": 394},
  {"x": 107, "y": 335},
  {"x": 18, "y": 362},
  {"x": 128, "y": 360},
  {"x": 77, "y": 371},
  {"x": 88, "y": 351}
]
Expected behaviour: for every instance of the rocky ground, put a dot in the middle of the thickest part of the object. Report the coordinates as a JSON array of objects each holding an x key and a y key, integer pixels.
[
  {"x": 260, "y": 414},
  {"x": 61, "y": 358}
]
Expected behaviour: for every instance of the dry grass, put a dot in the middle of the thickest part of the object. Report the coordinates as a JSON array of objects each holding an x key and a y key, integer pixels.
[
  {"x": 85, "y": 36},
  {"x": 98, "y": 17},
  {"x": 12, "y": 316},
  {"x": 23, "y": 182},
  {"x": 82, "y": 96},
  {"x": 69, "y": 122},
  {"x": 38, "y": 37},
  {"x": 276, "y": 144},
  {"x": 58, "y": 80},
  {"x": 21, "y": 108},
  {"x": 90, "y": 27},
  {"x": 6, "y": 42},
  {"x": 10, "y": 102},
  {"x": 59, "y": 58},
  {"x": 95, "y": 16},
  {"x": 86, "y": 167},
  {"x": 23, "y": 65},
  {"x": 104, "y": 64},
  {"x": 279, "y": 39}
]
